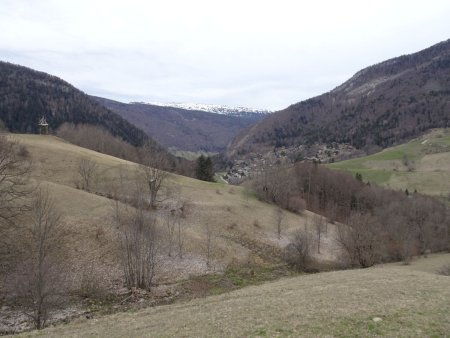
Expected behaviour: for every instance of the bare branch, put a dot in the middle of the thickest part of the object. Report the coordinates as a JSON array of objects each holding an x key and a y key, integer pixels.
[
  {"x": 139, "y": 244},
  {"x": 15, "y": 168},
  {"x": 41, "y": 275},
  {"x": 87, "y": 170}
]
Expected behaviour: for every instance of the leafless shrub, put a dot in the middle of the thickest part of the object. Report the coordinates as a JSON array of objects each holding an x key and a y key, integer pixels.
[
  {"x": 209, "y": 244},
  {"x": 430, "y": 222},
  {"x": 297, "y": 253},
  {"x": 41, "y": 274},
  {"x": 181, "y": 238},
  {"x": 170, "y": 233},
  {"x": 399, "y": 235},
  {"x": 333, "y": 211},
  {"x": 360, "y": 239},
  {"x": 90, "y": 284},
  {"x": 172, "y": 224},
  {"x": 296, "y": 204},
  {"x": 87, "y": 171},
  {"x": 321, "y": 228},
  {"x": 279, "y": 217},
  {"x": 14, "y": 189},
  {"x": 176, "y": 227},
  {"x": 139, "y": 244}
]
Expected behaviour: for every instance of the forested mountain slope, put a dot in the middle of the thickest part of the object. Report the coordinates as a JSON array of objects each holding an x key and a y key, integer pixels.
[
  {"x": 26, "y": 95},
  {"x": 382, "y": 105},
  {"x": 184, "y": 129}
]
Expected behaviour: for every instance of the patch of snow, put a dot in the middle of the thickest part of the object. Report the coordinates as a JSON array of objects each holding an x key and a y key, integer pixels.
[{"x": 210, "y": 108}]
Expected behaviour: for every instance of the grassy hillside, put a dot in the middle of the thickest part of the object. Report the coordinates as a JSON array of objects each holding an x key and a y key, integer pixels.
[
  {"x": 422, "y": 164},
  {"x": 244, "y": 229},
  {"x": 410, "y": 300},
  {"x": 389, "y": 301}
]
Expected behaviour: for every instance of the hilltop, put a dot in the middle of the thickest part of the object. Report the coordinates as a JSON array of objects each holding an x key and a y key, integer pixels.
[
  {"x": 26, "y": 95},
  {"x": 382, "y": 105}
]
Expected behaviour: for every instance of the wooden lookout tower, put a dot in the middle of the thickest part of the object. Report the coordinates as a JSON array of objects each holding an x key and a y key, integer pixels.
[{"x": 43, "y": 126}]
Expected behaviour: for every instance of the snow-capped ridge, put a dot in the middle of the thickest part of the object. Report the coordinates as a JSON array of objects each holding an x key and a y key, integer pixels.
[{"x": 211, "y": 108}]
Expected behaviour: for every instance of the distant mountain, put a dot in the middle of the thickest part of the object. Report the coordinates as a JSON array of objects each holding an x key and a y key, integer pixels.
[
  {"x": 213, "y": 108},
  {"x": 209, "y": 128},
  {"x": 381, "y": 105},
  {"x": 26, "y": 95}
]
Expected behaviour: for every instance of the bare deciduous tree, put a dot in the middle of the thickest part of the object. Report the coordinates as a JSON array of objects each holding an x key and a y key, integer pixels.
[
  {"x": 87, "y": 170},
  {"x": 154, "y": 179},
  {"x": 275, "y": 186},
  {"x": 171, "y": 225},
  {"x": 98, "y": 139},
  {"x": 360, "y": 239},
  {"x": 139, "y": 244},
  {"x": 320, "y": 227},
  {"x": 181, "y": 236},
  {"x": 209, "y": 243},
  {"x": 153, "y": 173},
  {"x": 181, "y": 214},
  {"x": 14, "y": 188},
  {"x": 279, "y": 217},
  {"x": 41, "y": 276},
  {"x": 14, "y": 174},
  {"x": 298, "y": 252}
]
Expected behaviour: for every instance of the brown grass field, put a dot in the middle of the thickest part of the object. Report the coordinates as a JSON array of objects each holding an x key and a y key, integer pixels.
[
  {"x": 234, "y": 214},
  {"x": 391, "y": 300}
]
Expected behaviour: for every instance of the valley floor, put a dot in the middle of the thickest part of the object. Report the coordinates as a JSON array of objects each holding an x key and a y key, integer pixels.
[{"x": 391, "y": 300}]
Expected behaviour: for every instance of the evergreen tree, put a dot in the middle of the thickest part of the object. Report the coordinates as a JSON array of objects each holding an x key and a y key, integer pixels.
[{"x": 205, "y": 168}]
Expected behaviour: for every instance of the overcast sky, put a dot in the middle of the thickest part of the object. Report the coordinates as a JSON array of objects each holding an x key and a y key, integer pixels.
[{"x": 262, "y": 54}]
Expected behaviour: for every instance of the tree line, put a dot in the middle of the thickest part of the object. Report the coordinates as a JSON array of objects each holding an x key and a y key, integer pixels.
[
  {"x": 101, "y": 140},
  {"x": 374, "y": 224}
]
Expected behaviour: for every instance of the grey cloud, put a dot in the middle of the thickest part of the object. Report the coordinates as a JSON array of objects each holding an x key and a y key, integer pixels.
[{"x": 201, "y": 51}]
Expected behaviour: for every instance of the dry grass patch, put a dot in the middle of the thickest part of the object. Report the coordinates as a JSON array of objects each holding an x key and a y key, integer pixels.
[{"x": 409, "y": 303}]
